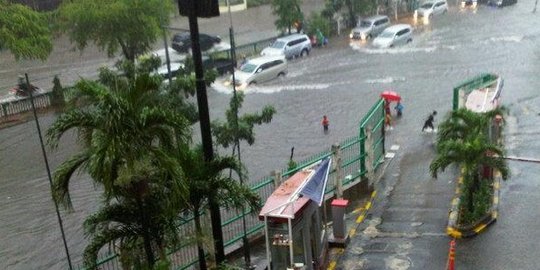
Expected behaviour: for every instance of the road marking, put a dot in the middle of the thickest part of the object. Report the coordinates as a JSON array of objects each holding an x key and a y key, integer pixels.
[
  {"x": 373, "y": 194},
  {"x": 480, "y": 228},
  {"x": 358, "y": 210},
  {"x": 368, "y": 205},
  {"x": 352, "y": 232},
  {"x": 360, "y": 218}
]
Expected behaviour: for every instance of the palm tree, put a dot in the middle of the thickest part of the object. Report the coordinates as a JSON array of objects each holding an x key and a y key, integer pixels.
[
  {"x": 121, "y": 127},
  {"x": 142, "y": 217},
  {"x": 463, "y": 123},
  {"x": 463, "y": 139},
  {"x": 206, "y": 182}
]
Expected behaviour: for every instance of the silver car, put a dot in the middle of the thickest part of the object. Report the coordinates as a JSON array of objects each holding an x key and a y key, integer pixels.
[
  {"x": 289, "y": 46},
  {"x": 259, "y": 70},
  {"x": 430, "y": 8},
  {"x": 370, "y": 27},
  {"x": 394, "y": 35}
]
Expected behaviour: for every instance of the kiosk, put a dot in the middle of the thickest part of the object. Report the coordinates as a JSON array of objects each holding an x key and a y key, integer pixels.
[{"x": 296, "y": 236}]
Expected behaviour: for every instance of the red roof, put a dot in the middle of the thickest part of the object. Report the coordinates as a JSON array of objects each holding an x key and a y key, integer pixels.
[{"x": 282, "y": 195}]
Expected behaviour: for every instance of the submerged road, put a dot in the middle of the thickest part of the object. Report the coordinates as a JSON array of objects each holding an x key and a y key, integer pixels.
[{"x": 341, "y": 81}]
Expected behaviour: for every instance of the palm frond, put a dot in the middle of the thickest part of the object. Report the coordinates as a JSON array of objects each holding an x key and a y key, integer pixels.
[{"x": 62, "y": 177}]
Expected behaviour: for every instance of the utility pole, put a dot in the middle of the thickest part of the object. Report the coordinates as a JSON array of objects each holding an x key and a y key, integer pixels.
[
  {"x": 192, "y": 9},
  {"x": 29, "y": 90}
]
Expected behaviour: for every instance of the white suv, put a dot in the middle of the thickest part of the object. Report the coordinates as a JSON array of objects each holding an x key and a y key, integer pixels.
[
  {"x": 370, "y": 27},
  {"x": 430, "y": 8},
  {"x": 259, "y": 70},
  {"x": 394, "y": 35},
  {"x": 289, "y": 46}
]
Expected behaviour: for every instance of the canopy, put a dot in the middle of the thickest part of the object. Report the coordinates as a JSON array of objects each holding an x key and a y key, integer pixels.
[{"x": 391, "y": 96}]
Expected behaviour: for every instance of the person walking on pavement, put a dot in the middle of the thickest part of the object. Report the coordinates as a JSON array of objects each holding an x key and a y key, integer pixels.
[
  {"x": 325, "y": 123},
  {"x": 429, "y": 121}
]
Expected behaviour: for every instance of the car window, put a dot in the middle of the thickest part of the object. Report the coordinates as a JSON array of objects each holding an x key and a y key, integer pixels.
[
  {"x": 365, "y": 24},
  {"x": 278, "y": 45},
  {"x": 303, "y": 40},
  {"x": 427, "y": 5},
  {"x": 387, "y": 34},
  {"x": 248, "y": 67}
]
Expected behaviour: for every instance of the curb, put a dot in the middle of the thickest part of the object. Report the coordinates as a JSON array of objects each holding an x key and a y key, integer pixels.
[
  {"x": 362, "y": 213},
  {"x": 456, "y": 231}
]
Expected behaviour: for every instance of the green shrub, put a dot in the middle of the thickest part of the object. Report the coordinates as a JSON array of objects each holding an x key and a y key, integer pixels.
[
  {"x": 481, "y": 202},
  {"x": 318, "y": 21}
]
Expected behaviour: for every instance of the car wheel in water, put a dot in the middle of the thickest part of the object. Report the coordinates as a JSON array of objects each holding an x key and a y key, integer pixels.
[
  {"x": 304, "y": 53},
  {"x": 281, "y": 74},
  {"x": 409, "y": 40}
]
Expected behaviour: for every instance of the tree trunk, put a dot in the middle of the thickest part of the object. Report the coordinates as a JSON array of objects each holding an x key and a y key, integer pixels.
[
  {"x": 200, "y": 249},
  {"x": 146, "y": 235}
]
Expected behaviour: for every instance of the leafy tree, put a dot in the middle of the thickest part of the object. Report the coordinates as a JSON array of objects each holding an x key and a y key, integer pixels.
[
  {"x": 231, "y": 132},
  {"x": 24, "y": 32},
  {"x": 318, "y": 21},
  {"x": 288, "y": 13},
  {"x": 126, "y": 136},
  {"x": 57, "y": 93},
  {"x": 130, "y": 26},
  {"x": 206, "y": 182}
]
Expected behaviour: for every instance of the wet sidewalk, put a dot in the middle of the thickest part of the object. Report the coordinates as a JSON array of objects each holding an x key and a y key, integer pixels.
[{"x": 406, "y": 227}]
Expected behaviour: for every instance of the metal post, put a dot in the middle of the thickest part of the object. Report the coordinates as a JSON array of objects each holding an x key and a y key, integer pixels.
[
  {"x": 60, "y": 223},
  {"x": 336, "y": 156},
  {"x": 167, "y": 59},
  {"x": 204, "y": 119}
]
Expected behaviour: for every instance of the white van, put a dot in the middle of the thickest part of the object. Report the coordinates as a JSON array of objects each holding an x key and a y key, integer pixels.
[
  {"x": 394, "y": 35},
  {"x": 289, "y": 46},
  {"x": 259, "y": 70},
  {"x": 370, "y": 27},
  {"x": 430, "y": 8}
]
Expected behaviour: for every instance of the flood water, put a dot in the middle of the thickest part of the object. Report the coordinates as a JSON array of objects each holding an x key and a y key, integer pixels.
[{"x": 342, "y": 81}]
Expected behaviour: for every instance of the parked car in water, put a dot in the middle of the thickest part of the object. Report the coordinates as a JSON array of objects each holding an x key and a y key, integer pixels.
[
  {"x": 501, "y": 3},
  {"x": 370, "y": 27},
  {"x": 289, "y": 46},
  {"x": 430, "y": 8},
  {"x": 394, "y": 35},
  {"x": 181, "y": 42},
  {"x": 259, "y": 70}
]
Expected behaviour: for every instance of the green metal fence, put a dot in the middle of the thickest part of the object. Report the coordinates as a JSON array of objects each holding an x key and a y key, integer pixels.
[
  {"x": 353, "y": 152},
  {"x": 466, "y": 87}
]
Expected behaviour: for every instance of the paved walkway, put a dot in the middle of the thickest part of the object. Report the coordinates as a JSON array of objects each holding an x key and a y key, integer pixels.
[{"x": 405, "y": 229}]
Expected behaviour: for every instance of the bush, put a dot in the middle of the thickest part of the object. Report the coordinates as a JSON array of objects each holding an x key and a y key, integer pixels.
[
  {"x": 318, "y": 21},
  {"x": 481, "y": 203}
]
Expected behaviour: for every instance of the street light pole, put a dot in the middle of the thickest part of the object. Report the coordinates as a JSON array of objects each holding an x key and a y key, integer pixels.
[
  {"x": 204, "y": 120},
  {"x": 60, "y": 223}
]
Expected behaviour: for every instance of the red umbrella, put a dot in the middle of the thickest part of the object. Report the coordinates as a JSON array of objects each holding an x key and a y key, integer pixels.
[{"x": 391, "y": 96}]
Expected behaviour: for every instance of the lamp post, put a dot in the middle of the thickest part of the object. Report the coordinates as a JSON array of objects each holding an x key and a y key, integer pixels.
[
  {"x": 60, "y": 223},
  {"x": 192, "y": 9}
]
